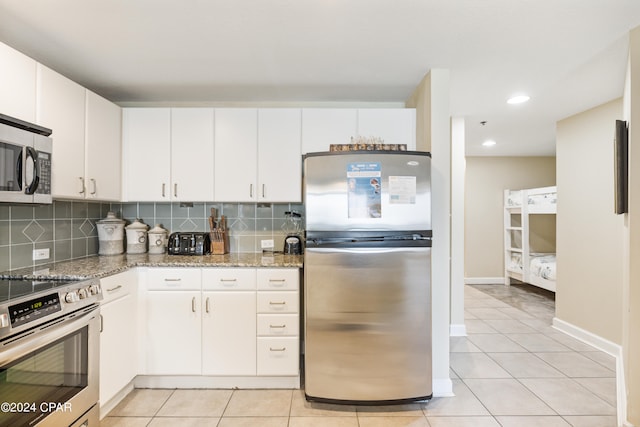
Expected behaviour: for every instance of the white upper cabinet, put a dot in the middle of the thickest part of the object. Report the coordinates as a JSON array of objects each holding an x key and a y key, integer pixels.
[
  {"x": 147, "y": 144},
  {"x": 257, "y": 155},
  {"x": 279, "y": 155},
  {"x": 86, "y": 138},
  {"x": 18, "y": 77},
  {"x": 322, "y": 127},
  {"x": 392, "y": 125},
  {"x": 236, "y": 141},
  {"x": 61, "y": 107},
  {"x": 168, "y": 154},
  {"x": 103, "y": 170},
  {"x": 192, "y": 154}
]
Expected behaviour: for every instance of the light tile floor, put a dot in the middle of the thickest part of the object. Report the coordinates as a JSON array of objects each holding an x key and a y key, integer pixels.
[{"x": 512, "y": 370}]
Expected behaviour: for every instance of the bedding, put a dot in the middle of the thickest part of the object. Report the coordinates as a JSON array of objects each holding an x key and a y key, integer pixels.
[
  {"x": 514, "y": 198},
  {"x": 543, "y": 266}
]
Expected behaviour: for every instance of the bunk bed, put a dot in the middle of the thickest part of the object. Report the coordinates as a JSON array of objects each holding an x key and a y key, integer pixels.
[{"x": 522, "y": 260}]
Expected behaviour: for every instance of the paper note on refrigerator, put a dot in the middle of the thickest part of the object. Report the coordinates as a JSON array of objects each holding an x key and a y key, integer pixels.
[
  {"x": 402, "y": 190},
  {"x": 365, "y": 190}
]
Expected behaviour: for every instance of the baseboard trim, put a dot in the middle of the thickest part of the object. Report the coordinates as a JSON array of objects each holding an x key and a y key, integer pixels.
[
  {"x": 457, "y": 330},
  {"x": 608, "y": 347},
  {"x": 442, "y": 387},
  {"x": 484, "y": 280}
]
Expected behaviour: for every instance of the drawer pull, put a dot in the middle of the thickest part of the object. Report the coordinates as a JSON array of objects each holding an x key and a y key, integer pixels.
[
  {"x": 277, "y": 282},
  {"x": 115, "y": 289},
  {"x": 277, "y": 303},
  {"x": 173, "y": 280},
  {"x": 277, "y": 326},
  {"x": 278, "y": 349},
  {"x": 230, "y": 281}
]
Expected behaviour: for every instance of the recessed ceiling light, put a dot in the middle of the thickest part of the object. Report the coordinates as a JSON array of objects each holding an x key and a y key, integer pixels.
[
  {"x": 489, "y": 143},
  {"x": 518, "y": 99}
]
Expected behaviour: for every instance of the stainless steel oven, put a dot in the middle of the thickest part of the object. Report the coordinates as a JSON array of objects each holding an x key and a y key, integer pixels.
[{"x": 49, "y": 354}]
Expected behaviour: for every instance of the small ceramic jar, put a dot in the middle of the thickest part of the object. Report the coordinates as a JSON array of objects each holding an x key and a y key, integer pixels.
[
  {"x": 136, "y": 237},
  {"x": 157, "y": 240},
  {"x": 110, "y": 235}
]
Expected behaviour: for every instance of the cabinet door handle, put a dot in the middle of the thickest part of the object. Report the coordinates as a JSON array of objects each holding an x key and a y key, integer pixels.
[
  {"x": 193, "y": 304},
  {"x": 277, "y": 282},
  {"x": 93, "y": 185},
  {"x": 175, "y": 190},
  {"x": 207, "y": 305},
  {"x": 251, "y": 191},
  {"x": 163, "y": 189},
  {"x": 101, "y": 323},
  {"x": 82, "y": 189},
  {"x": 263, "y": 196}
]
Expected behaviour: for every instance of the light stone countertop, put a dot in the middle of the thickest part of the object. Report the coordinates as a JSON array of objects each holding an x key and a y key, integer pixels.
[{"x": 101, "y": 266}]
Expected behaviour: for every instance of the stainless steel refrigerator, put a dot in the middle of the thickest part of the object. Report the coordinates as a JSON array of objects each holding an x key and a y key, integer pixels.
[{"x": 367, "y": 277}]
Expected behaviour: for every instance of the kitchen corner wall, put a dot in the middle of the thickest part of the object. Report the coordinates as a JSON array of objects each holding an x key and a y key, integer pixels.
[{"x": 68, "y": 229}]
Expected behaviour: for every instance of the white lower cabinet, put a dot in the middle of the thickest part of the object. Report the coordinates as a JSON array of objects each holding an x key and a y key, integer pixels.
[
  {"x": 173, "y": 339},
  {"x": 229, "y": 333},
  {"x": 278, "y": 304},
  {"x": 222, "y": 323},
  {"x": 118, "y": 336}
]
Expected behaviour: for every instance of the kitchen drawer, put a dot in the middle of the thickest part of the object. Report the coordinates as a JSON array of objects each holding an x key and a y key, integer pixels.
[
  {"x": 278, "y": 325},
  {"x": 168, "y": 279},
  {"x": 118, "y": 285},
  {"x": 278, "y": 279},
  {"x": 278, "y": 302},
  {"x": 233, "y": 279},
  {"x": 278, "y": 356}
]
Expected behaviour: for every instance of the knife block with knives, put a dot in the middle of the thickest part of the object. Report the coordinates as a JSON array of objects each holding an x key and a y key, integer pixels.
[{"x": 219, "y": 234}]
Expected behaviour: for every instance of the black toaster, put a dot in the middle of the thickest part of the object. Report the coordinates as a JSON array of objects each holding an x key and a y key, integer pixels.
[{"x": 189, "y": 243}]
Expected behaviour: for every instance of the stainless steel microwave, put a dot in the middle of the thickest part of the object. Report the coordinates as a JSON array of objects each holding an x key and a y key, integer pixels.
[{"x": 25, "y": 162}]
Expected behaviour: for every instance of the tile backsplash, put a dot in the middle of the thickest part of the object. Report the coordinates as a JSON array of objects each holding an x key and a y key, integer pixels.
[{"x": 68, "y": 228}]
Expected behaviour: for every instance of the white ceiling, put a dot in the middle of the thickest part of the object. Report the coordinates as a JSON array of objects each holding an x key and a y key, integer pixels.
[{"x": 568, "y": 55}]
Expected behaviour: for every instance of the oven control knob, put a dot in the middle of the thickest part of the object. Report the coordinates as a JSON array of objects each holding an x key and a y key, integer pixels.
[
  {"x": 71, "y": 297},
  {"x": 83, "y": 293},
  {"x": 94, "y": 289},
  {"x": 4, "y": 320}
]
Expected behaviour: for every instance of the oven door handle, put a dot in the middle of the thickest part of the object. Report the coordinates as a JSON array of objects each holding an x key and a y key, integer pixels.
[{"x": 30, "y": 341}]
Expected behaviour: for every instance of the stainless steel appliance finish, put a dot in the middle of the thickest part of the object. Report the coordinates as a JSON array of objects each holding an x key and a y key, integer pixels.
[
  {"x": 328, "y": 199},
  {"x": 49, "y": 352},
  {"x": 367, "y": 278},
  {"x": 25, "y": 162}
]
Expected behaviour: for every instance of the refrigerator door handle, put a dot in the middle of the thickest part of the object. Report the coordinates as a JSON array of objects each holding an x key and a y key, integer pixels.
[{"x": 368, "y": 250}]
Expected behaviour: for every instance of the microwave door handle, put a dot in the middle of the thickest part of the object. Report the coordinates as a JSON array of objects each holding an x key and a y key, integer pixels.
[
  {"x": 19, "y": 170},
  {"x": 33, "y": 186}
]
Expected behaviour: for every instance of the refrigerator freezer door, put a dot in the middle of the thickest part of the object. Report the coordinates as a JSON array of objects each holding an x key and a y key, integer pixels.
[
  {"x": 368, "y": 324},
  {"x": 367, "y": 191}
]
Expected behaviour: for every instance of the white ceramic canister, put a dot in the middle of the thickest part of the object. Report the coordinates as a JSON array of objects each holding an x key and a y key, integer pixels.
[
  {"x": 157, "y": 240},
  {"x": 110, "y": 235},
  {"x": 136, "y": 237}
]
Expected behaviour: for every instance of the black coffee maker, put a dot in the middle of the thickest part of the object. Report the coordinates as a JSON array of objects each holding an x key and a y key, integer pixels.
[{"x": 293, "y": 241}]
